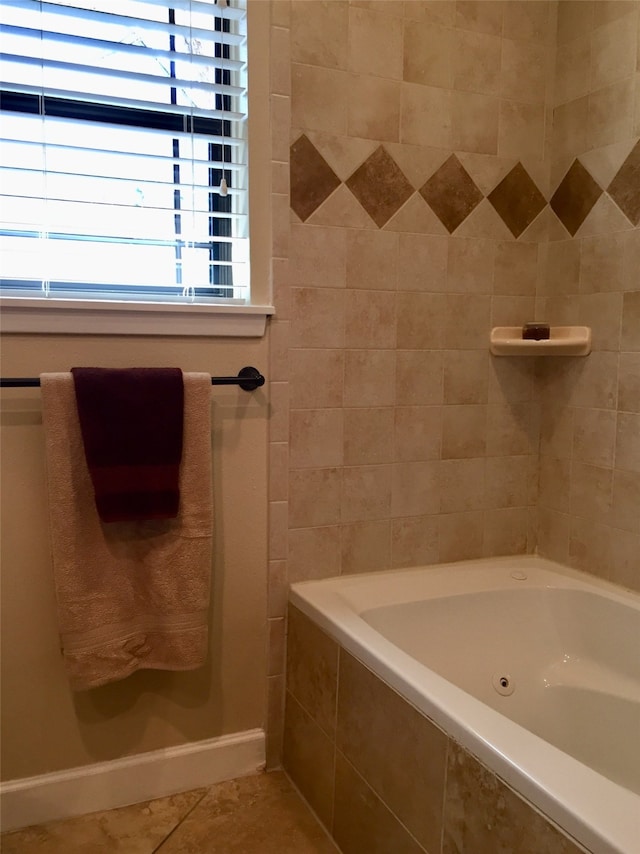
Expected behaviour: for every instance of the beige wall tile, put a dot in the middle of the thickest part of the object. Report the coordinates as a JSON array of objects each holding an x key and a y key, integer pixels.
[
  {"x": 572, "y": 70},
  {"x": 461, "y": 485},
  {"x": 319, "y": 98},
  {"x": 314, "y": 497},
  {"x": 374, "y": 108},
  {"x": 370, "y": 319},
  {"x": 554, "y": 483},
  {"x": 515, "y": 268},
  {"x": 528, "y": 20},
  {"x": 280, "y": 61},
  {"x": 611, "y": 113},
  {"x": 278, "y": 532},
  {"x": 575, "y": 19},
  {"x": 392, "y": 746},
  {"x": 438, "y": 11},
  {"x": 428, "y": 54},
  {"x": 474, "y": 122},
  {"x": 317, "y": 378},
  {"x": 420, "y": 320},
  {"x": 630, "y": 339},
  {"x": 512, "y": 311},
  {"x": 512, "y": 429},
  {"x": 460, "y": 536},
  {"x": 476, "y": 62},
  {"x": 366, "y": 493},
  {"x": 278, "y": 585},
  {"x": 422, "y": 262},
  {"x": 470, "y": 265},
  {"x": 507, "y": 482},
  {"x": 315, "y": 439},
  {"x": 415, "y": 488},
  {"x": 317, "y": 317},
  {"x": 317, "y": 256},
  {"x": 319, "y": 31},
  {"x": 629, "y": 382},
  {"x": 375, "y": 43},
  {"x": 313, "y": 553},
  {"x": 613, "y": 50},
  {"x": 466, "y": 376},
  {"x": 467, "y": 321},
  {"x": 591, "y": 489},
  {"x": 553, "y": 534},
  {"x": 628, "y": 442},
  {"x": 594, "y": 436},
  {"x": 484, "y": 16},
  {"x": 419, "y": 377},
  {"x": 417, "y": 433},
  {"x": 523, "y": 71},
  {"x": 368, "y": 436},
  {"x": 463, "y": 431},
  {"x": 570, "y": 126},
  {"x": 372, "y": 260},
  {"x": 425, "y": 117},
  {"x": 521, "y": 130},
  {"x": 366, "y": 546},
  {"x": 505, "y": 532},
  {"x": 602, "y": 312},
  {"x": 596, "y": 384},
  {"x": 602, "y": 263},
  {"x": 414, "y": 541},
  {"x": 278, "y": 471},
  {"x": 369, "y": 377}
]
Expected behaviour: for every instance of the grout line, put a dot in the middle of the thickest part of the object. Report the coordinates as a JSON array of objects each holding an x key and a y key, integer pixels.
[{"x": 182, "y": 820}]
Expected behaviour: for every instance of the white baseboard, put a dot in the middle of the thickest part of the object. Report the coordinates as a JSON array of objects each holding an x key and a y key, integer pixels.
[{"x": 106, "y": 785}]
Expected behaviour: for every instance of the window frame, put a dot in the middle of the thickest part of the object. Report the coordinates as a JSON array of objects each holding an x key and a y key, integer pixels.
[{"x": 128, "y": 317}]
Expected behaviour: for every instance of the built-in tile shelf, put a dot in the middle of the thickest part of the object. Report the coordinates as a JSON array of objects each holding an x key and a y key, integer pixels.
[{"x": 563, "y": 341}]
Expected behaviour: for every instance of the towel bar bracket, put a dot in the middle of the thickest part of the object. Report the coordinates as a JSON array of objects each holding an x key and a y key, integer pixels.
[{"x": 249, "y": 379}]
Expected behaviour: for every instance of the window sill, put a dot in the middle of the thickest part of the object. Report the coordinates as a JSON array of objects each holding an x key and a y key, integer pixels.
[{"x": 93, "y": 317}]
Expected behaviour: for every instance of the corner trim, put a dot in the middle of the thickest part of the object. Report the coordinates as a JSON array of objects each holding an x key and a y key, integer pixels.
[{"x": 120, "y": 782}]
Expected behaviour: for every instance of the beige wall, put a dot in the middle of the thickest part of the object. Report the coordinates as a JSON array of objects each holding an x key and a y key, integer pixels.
[{"x": 589, "y": 506}]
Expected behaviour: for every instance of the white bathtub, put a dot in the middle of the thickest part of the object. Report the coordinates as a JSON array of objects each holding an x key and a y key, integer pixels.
[{"x": 533, "y": 667}]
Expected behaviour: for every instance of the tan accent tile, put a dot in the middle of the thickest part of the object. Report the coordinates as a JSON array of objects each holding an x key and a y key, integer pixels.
[
  {"x": 312, "y": 669},
  {"x": 316, "y": 378},
  {"x": 474, "y": 122},
  {"x": 484, "y": 16},
  {"x": 314, "y": 553},
  {"x": 476, "y": 62},
  {"x": 630, "y": 339},
  {"x": 319, "y": 33},
  {"x": 308, "y": 758},
  {"x": 467, "y": 321},
  {"x": 460, "y": 536},
  {"x": 422, "y": 263},
  {"x": 317, "y": 317},
  {"x": 420, "y": 320},
  {"x": 312, "y": 179},
  {"x": 625, "y": 187},
  {"x": 366, "y": 547},
  {"x": 342, "y": 209},
  {"x": 418, "y": 431},
  {"x": 417, "y": 217},
  {"x": 415, "y": 489},
  {"x": 451, "y": 193},
  {"x": 611, "y": 113},
  {"x": 470, "y": 265},
  {"x": 613, "y": 50},
  {"x": 135, "y": 829},
  {"x": 375, "y": 43},
  {"x": 369, "y": 377},
  {"x": 398, "y": 751},
  {"x": 314, "y": 497},
  {"x": 372, "y": 260},
  {"x": 361, "y": 821},
  {"x": 428, "y": 50},
  {"x": 311, "y": 109},
  {"x": 466, "y": 376},
  {"x": 414, "y": 541},
  {"x": 380, "y": 186},
  {"x": 366, "y": 493},
  {"x": 628, "y": 441},
  {"x": 527, "y": 20},
  {"x": 425, "y": 117},
  {"x": 370, "y": 319},
  {"x": 629, "y": 383},
  {"x": 368, "y": 436},
  {"x": 473, "y": 793},
  {"x": 419, "y": 378},
  {"x": 506, "y": 482},
  {"x": 317, "y": 256},
  {"x": 523, "y": 71},
  {"x": 517, "y": 200},
  {"x": 374, "y": 108},
  {"x": 512, "y": 429},
  {"x": 505, "y": 531},
  {"x": 463, "y": 431},
  {"x": 515, "y": 269},
  {"x": 522, "y": 129},
  {"x": 461, "y": 485}
]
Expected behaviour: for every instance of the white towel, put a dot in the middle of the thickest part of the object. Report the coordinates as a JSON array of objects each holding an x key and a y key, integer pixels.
[{"x": 130, "y": 595}]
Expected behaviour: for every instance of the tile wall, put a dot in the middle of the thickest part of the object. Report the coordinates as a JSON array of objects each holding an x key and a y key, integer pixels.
[
  {"x": 450, "y": 172},
  {"x": 381, "y": 777},
  {"x": 589, "y": 503}
]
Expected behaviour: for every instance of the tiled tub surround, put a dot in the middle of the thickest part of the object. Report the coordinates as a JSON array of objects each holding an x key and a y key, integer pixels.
[{"x": 383, "y": 777}]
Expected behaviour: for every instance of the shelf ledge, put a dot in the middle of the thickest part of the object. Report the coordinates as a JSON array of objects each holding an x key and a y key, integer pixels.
[{"x": 564, "y": 341}]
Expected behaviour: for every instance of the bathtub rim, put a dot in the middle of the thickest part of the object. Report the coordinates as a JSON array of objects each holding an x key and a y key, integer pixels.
[{"x": 599, "y": 814}]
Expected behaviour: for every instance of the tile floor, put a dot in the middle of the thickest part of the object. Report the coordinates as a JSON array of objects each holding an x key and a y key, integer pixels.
[{"x": 261, "y": 814}]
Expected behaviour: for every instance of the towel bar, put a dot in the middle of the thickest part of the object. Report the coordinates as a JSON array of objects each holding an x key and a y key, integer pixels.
[{"x": 249, "y": 379}]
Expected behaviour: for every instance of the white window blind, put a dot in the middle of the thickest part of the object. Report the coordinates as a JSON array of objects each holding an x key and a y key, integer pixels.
[{"x": 120, "y": 119}]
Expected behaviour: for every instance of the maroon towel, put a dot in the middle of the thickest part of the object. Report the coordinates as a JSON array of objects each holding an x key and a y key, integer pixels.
[{"x": 131, "y": 422}]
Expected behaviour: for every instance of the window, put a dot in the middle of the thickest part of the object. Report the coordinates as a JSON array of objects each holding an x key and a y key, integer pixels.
[{"x": 124, "y": 156}]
